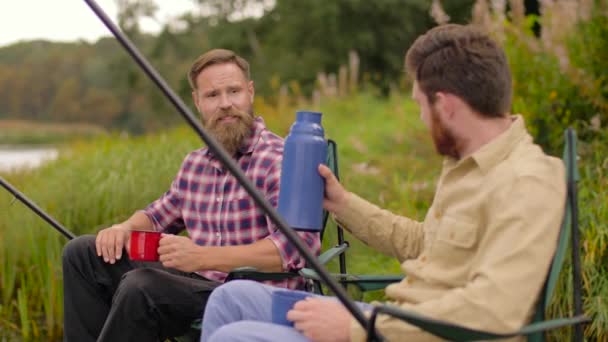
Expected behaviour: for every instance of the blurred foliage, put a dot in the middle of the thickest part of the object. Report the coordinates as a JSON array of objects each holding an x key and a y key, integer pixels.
[
  {"x": 560, "y": 78},
  {"x": 290, "y": 42}
]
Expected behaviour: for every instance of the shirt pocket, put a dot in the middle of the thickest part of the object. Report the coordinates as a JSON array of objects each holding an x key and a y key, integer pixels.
[
  {"x": 455, "y": 244},
  {"x": 241, "y": 204}
]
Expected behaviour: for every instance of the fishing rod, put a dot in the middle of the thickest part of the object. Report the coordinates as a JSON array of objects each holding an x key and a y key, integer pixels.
[
  {"x": 227, "y": 161},
  {"x": 21, "y": 197}
]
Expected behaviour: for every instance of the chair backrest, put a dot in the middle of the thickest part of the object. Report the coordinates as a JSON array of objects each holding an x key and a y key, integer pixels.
[
  {"x": 572, "y": 176},
  {"x": 569, "y": 225}
]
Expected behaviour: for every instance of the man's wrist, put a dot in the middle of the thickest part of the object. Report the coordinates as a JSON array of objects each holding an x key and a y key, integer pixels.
[
  {"x": 203, "y": 259},
  {"x": 352, "y": 213},
  {"x": 343, "y": 203},
  {"x": 126, "y": 226}
]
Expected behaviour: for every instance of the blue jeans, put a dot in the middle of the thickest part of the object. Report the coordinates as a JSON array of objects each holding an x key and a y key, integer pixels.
[{"x": 241, "y": 311}]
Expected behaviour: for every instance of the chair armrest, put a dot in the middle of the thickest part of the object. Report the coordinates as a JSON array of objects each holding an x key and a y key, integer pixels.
[
  {"x": 553, "y": 324},
  {"x": 333, "y": 252},
  {"x": 309, "y": 273},
  {"x": 372, "y": 282},
  {"x": 366, "y": 282},
  {"x": 455, "y": 332},
  {"x": 251, "y": 273}
]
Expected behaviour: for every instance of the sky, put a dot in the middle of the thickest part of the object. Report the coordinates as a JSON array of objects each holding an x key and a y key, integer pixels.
[{"x": 70, "y": 20}]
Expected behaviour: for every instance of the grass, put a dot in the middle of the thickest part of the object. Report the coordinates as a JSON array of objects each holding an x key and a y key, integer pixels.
[
  {"x": 385, "y": 156},
  {"x": 90, "y": 186},
  {"x": 593, "y": 186}
]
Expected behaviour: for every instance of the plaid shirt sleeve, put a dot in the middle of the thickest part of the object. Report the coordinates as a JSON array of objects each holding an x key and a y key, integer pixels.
[
  {"x": 165, "y": 213},
  {"x": 290, "y": 256}
]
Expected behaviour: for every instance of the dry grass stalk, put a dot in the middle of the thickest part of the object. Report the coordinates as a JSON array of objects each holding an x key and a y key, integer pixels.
[
  {"x": 438, "y": 13},
  {"x": 518, "y": 12},
  {"x": 343, "y": 81},
  {"x": 353, "y": 67},
  {"x": 332, "y": 85},
  {"x": 322, "y": 83}
]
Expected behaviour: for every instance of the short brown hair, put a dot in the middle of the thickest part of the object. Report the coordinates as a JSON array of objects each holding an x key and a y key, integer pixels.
[
  {"x": 216, "y": 56},
  {"x": 463, "y": 61}
]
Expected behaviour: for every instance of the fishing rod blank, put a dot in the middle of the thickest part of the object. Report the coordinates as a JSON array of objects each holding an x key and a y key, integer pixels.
[
  {"x": 226, "y": 160},
  {"x": 21, "y": 197}
]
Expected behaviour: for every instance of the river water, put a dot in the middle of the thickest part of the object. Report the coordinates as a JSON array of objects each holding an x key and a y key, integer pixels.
[{"x": 14, "y": 158}]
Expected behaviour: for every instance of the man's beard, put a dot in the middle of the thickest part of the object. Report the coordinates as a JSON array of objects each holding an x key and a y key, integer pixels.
[
  {"x": 230, "y": 134},
  {"x": 446, "y": 143}
]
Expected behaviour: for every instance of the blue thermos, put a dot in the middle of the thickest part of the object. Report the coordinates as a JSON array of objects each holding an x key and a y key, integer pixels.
[{"x": 302, "y": 187}]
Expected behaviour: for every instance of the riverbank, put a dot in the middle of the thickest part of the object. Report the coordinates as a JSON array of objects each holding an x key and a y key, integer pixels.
[
  {"x": 18, "y": 157},
  {"x": 20, "y": 132}
]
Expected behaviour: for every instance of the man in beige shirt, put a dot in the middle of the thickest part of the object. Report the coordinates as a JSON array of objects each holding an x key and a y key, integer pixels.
[{"x": 482, "y": 253}]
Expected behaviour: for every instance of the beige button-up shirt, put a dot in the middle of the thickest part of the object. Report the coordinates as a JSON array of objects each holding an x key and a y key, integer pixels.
[{"x": 482, "y": 253}]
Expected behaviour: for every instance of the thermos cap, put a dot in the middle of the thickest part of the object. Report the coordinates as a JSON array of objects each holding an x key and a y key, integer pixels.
[{"x": 307, "y": 116}]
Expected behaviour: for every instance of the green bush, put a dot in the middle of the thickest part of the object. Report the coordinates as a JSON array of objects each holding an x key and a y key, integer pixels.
[{"x": 555, "y": 89}]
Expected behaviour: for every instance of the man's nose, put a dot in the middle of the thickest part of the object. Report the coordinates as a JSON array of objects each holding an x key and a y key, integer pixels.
[{"x": 225, "y": 102}]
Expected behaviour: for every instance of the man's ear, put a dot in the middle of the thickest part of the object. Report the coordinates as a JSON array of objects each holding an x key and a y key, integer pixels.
[
  {"x": 251, "y": 90},
  {"x": 447, "y": 104},
  {"x": 441, "y": 103},
  {"x": 195, "y": 100}
]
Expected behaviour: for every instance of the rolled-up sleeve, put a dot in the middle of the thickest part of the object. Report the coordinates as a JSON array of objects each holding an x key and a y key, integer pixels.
[
  {"x": 291, "y": 258},
  {"x": 165, "y": 213},
  {"x": 380, "y": 229}
]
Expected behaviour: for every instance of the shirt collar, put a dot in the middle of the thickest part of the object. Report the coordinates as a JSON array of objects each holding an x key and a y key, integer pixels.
[
  {"x": 496, "y": 150},
  {"x": 251, "y": 141}
]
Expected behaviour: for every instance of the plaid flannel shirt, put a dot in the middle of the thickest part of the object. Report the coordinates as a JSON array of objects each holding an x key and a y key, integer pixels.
[{"x": 207, "y": 201}]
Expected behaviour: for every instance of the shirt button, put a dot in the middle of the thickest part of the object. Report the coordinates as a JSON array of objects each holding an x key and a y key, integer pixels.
[
  {"x": 423, "y": 258},
  {"x": 437, "y": 214},
  {"x": 218, "y": 234},
  {"x": 219, "y": 199}
]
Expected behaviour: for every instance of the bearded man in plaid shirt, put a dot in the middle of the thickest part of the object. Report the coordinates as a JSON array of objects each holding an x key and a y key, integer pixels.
[{"x": 108, "y": 297}]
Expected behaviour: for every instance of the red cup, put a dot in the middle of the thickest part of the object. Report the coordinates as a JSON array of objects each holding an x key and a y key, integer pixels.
[{"x": 144, "y": 245}]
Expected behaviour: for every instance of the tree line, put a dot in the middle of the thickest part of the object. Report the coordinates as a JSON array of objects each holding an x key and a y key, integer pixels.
[{"x": 291, "y": 42}]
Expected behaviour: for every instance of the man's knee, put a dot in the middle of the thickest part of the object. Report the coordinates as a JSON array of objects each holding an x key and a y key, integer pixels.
[
  {"x": 137, "y": 282},
  {"x": 78, "y": 247},
  {"x": 232, "y": 291}
]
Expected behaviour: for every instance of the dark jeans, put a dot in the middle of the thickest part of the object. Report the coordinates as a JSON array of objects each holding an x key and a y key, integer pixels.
[{"x": 129, "y": 300}]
